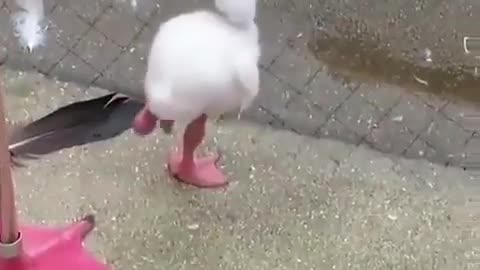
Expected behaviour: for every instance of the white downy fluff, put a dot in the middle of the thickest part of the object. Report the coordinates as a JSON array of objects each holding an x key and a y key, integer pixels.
[
  {"x": 28, "y": 23},
  {"x": 133, "y": 3},
  {"x": 203, "y": 62}
]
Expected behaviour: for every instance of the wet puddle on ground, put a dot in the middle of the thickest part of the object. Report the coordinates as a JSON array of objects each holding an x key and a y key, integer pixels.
[{"x": 368, "y": 62}]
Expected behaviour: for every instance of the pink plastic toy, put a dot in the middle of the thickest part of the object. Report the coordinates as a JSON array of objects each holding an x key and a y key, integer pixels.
[{"x": 32, "y": 247}]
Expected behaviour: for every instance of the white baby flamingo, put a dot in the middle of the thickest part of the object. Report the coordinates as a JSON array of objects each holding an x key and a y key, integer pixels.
[{"x": 201, "y": 64}]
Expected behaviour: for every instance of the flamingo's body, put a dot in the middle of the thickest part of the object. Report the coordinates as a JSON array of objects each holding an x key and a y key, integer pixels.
[{"x": 201, "y": 64}]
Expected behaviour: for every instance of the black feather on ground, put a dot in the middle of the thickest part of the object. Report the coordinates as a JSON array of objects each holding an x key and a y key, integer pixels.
[{"x": 78, "y": 123}]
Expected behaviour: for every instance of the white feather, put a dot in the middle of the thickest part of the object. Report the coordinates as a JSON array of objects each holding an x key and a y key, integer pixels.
[
  {"x": 200, "y": 62},
  {"x": 133, "y": 3},
  {"x": 28, "y": 23}
]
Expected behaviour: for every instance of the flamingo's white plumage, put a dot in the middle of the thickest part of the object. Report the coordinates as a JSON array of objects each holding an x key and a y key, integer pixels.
[{"x": 201, "y": 64}]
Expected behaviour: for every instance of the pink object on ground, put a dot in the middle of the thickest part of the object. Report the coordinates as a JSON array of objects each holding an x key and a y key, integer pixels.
[{"x": 52, "y": 249}]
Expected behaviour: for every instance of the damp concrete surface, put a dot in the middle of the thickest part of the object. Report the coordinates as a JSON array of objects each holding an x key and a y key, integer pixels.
[{"x": 425, "y": 44}]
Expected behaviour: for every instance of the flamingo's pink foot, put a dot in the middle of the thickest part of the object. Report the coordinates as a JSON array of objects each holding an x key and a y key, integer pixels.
[
  {"x": 203, "y": 173},
  {"x": 145, "y": 122}
]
